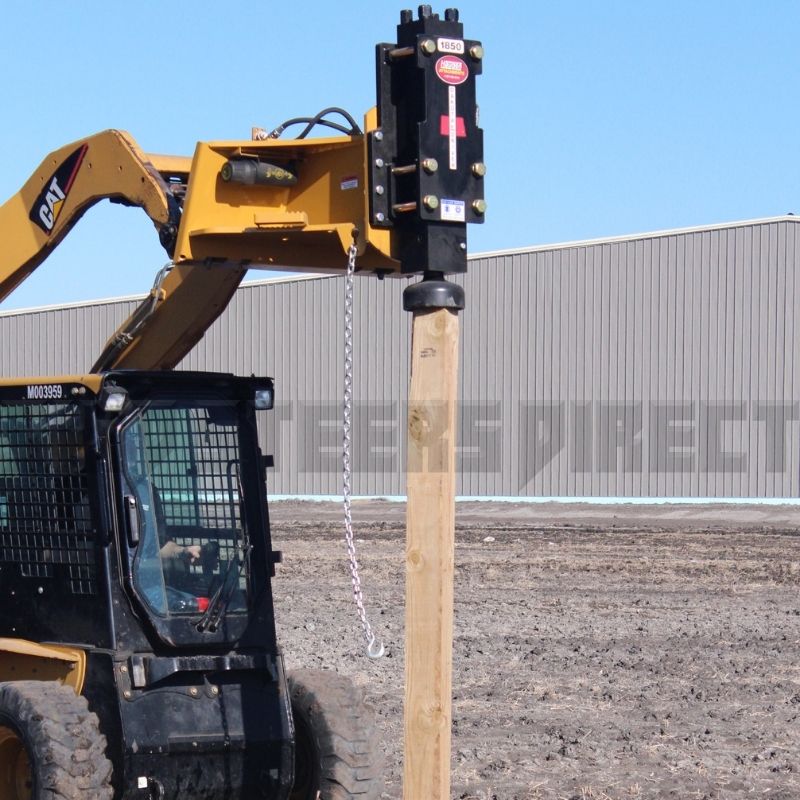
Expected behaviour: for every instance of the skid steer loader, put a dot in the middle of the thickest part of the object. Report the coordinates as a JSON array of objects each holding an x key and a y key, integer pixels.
[
  {"x": 138, "y": 653},
  {"x": 134, "y": 541}
]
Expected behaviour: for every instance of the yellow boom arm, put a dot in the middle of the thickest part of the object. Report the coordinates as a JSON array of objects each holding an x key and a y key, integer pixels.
[
  {"x": 67, "y": 183},
  {"x": 280, "y": 204}
]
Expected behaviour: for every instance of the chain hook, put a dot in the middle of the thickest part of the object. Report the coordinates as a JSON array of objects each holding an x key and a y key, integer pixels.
[{"x": 375, "y": 648}]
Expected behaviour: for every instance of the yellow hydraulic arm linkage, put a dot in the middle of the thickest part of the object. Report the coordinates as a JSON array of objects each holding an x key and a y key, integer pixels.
[{"x": 295, "y": 204}]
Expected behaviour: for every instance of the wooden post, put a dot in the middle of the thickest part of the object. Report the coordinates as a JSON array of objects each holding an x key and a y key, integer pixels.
[{"x": 429, "y": 552}]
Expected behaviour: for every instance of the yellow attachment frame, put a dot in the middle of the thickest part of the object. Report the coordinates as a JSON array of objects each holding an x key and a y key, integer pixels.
[
  {"x": 228, "y": 227},
  {"x": 306, "y": 226}
]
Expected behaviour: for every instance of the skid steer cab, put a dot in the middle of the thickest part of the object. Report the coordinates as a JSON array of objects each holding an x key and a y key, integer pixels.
[{"x": 138, "y": 655}]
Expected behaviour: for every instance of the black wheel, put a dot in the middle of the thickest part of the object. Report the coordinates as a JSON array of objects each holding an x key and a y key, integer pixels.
[
  {"x": 51, "y": 747},
  {"x": 337, "y": 756}
]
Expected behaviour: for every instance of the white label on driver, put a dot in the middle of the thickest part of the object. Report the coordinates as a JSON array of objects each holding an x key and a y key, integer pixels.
[
  {"x": 450, "y": 45},
  {"x": 453, "y": 210}
]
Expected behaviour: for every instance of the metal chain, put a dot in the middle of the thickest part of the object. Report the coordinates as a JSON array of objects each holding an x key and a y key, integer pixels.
[{"x": 375, "y": 648}]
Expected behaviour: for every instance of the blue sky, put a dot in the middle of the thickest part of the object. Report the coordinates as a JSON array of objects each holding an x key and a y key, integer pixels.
[{"x": 599, "y": 118}]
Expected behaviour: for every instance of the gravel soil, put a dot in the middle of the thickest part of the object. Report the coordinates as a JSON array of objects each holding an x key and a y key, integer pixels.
[{"x": 599, "y": 652}]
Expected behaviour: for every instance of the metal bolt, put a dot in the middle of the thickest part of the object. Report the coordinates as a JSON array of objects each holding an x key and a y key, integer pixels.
[
  {"x": 380, "y": 216},
  {"x": 378, "y": 136},
  {"x": 401, "y": 52},
  {"x": 123, "y": 669},
  {"x": 479, "y": 206},
  {"x": 215, "y": 690},
  {"x": 379, "y": 189},
  {"x": 407, "y": 169},
  {"x": 428, "y": 46},
  {"x": 430, "y": 165},
  {"x": 479, "y": 169},
  {"x": 193, "y": 691},
  {"x": 379, "y": 162},
  {"x": 476, "y": 51},
  {"x": 462, "y": 246},
  {"x": 127, "y": 694},
  {"x": 40, "y": 590},
  {"x": 431, "y": 202}
]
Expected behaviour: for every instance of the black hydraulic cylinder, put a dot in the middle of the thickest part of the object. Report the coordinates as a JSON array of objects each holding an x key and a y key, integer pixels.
[{"x": 250, "y": 171}]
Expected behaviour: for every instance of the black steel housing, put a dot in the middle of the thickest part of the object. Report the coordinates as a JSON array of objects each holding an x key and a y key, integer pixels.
[{"x": 426, "y": 157}]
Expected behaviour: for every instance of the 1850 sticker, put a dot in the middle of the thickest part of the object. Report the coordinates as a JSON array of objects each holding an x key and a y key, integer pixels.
[
  {"x": 452, "y": 70},
  {"x": 450, "y": 46}
]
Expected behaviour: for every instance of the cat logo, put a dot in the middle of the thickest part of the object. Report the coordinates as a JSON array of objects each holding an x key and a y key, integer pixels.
[{"x": 51, "y": 199}]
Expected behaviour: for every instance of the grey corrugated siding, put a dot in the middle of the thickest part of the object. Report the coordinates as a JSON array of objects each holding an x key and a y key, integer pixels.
[{"x": 648, "y": 367}]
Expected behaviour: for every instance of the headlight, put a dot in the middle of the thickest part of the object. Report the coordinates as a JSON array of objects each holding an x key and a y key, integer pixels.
[
  {"x": 264, "y": 399},
  {"x": 112, "y": 399}
]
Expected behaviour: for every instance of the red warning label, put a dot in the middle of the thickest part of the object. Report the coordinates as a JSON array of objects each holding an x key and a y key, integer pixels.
[
  {"x": 452, "y": 70},
  {"x": 444, "y": 126}
]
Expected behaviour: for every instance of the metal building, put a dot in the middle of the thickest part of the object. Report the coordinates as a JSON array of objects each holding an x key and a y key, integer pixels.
[{"x": 658, "y": 365}]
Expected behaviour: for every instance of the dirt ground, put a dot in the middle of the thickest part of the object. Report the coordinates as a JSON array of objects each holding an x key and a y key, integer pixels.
[{"x": 600, "y": 652}]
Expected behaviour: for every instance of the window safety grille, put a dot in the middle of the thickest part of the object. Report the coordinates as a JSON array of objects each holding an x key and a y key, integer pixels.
[
  {"x": 45, "y": 519},
  {"x": 194, "y": 462}
]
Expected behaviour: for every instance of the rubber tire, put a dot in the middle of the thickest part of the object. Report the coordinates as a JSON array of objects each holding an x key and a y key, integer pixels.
[
  {"x": 337, "y": 753},
  {"x": 62, "y": 738}
]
